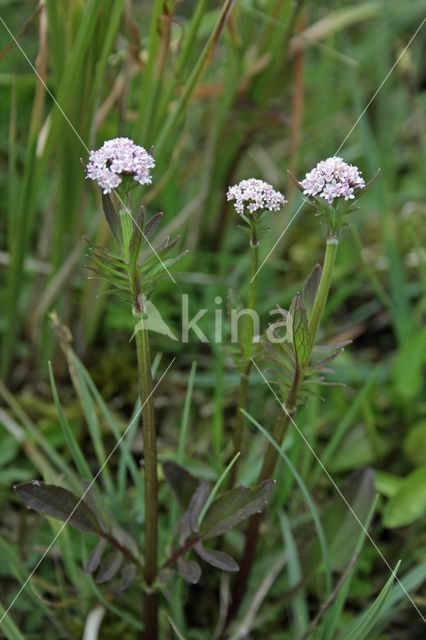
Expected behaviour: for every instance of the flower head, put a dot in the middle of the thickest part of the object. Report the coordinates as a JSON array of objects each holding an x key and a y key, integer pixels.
[
  {"x": 117, "y": 158},
  {"x": 333, "y": 178},
  {"x": 252, "y": 195}
]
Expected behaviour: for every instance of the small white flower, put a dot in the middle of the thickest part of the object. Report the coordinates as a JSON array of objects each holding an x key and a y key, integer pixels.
[
  {"x": 253, "y": 195},
  {"x": 333, "y": 178},
  {"x": 118, "y": 157}
]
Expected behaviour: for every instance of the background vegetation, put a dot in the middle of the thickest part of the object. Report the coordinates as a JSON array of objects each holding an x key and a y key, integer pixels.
[{"x": 223, "y": 91}]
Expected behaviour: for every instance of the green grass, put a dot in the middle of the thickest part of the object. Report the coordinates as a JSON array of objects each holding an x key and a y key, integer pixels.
[{"x": 221, "y": 96}]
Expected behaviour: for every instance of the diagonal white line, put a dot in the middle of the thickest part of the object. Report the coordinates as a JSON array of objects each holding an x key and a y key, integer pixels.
[
  {"x": 383, "y": 82},
  {"x": 82, "y": 142},
  {"x": 82, "y": 498},
  {"x": 299, "y": 431},
  {"x": 279, "y": 239},
  {"x": 347, "y": 136}
]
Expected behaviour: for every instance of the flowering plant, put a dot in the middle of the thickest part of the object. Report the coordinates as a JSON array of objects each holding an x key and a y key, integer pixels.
[
  {"x": 118, "y": 159},
  {"x": 254, "y": 196}
]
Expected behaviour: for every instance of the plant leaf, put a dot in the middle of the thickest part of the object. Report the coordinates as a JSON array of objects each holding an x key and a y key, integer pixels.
[
  {"x": 218, "y": 559},
  {"x": 112, "y": 217},
  {"x": 198, "y": 501},
  {"x": 233, "y": 506},
  {"x": 364, "y": 623},
  {"x": 95, "y": 557},
  {"x": 409, "y": 502},
  {"x": 128, "y": 575},
  {"x": 340, "y": 525},
  {"x": 58, "y": 503},
  {"x": 298, "y": 332},
  {"x": 109, "y": 566},
  {"x": 311, "y": 287},
  {"x": 189, "y": 569},
  {"x": 415, "y": 443},
  {"x": 152, "y": 224},
  {"x": 183, "y": 483}
]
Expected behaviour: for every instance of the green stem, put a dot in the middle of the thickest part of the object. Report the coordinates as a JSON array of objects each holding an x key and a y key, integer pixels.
[
  {"x": 249, "y": 332},
  {"x": 150, "y": 466},
  {"x": 281, "y": 426},
  {"x": 324, "y": 285},
  {"x": 252, "y": 534},
  {"x": 247, "y": 349}
]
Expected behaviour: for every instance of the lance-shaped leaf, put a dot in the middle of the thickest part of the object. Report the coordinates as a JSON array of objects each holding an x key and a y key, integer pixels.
[
  {"x": 152, "y": 224},
  {"x": 197, "y": 503},
  {"x": 136, "y": 237},
  {"x": 189, "y": 569},
  {"x": 109, "y": 566},
  {"x": 59, "y": 503},
  {"x": 298, "y": 331},
  {"x": 95, "y": 557},
  {"x": 128, "y": 575},
  {"x": 218, "y": 559},
  {"x": 319, "y": 364},
  {"x": 311, "y": 287},
  {"x": 183, "y": 483},
  {"x": 112, "y": 217},
  {"x": 233, "y": 506}
]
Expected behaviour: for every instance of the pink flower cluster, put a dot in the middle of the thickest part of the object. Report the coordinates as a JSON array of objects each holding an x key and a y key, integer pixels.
[
  {"x": 333, "y": 178},
  {"x": 254, "y": 195},
  {"x": 118, "y": 157}
]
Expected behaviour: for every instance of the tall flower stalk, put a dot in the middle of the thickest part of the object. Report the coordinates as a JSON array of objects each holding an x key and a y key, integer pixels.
[
  {"x": 253, "y": 198},
  {"x": 328, "y": 186},
  {"x": 117, "y": 165}
]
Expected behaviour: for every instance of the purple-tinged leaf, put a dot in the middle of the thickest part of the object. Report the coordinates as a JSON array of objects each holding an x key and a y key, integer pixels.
[
  {"x": 327, "y": 348},
  {"x": 183, "y": 483},
  {"x": 95, "y": 557},
  {"x": 59, "y": 503},
  {"x": 112, "y": 217},
  {"x": 152, "y": 224},
  {"x": 233, "y": 506},
  {"x": 189, "y": 569},
  {"x": 109, "y": 566},
  {"x": 184, "y": 528},
  {"x": 218, "y": 559},
  {"x": 311, "y": 287},
  {"x": 128, "y": 575},
  {"x": 124, "y": 539},
  {"x": 198, "y": 501},
  {"x": 96, "y": 504},
  {"x": 319, "y": 364}
]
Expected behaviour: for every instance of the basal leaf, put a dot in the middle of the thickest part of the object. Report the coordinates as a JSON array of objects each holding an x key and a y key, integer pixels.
[
  {"x": 109, "y": 566},
  {"x": 409, "y": 365},
  {"x": 95, "y": 557},
  {"x": 189, "y": 569},
  {"x": 233, "y": 506},
  {"x": 415, "y": 443},
  {"x": 58, "y": 503},
  {"x": 409, "y": 502},
  {"x": 341, "y": 527},
  {"x": 198, "y": 501},
  {"x": 218, "y": 559},
  {"x": 128, "y": 575},
  {"x": 183, "y": 483}
]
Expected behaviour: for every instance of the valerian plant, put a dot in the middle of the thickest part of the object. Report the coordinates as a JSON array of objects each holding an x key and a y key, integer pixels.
[
  {"x": 289, "y": 346},
  {"x": 117, "y": 166},
  {"x": 253, "y": 199}
]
